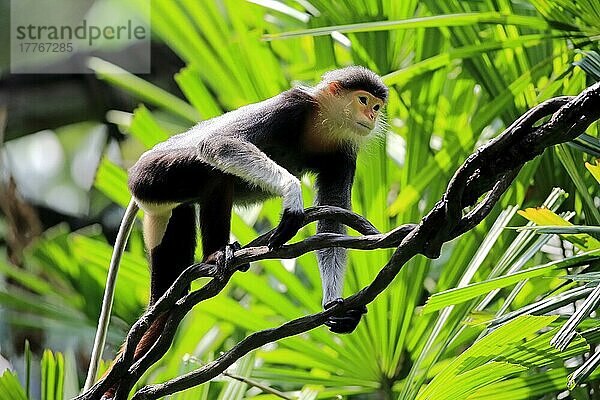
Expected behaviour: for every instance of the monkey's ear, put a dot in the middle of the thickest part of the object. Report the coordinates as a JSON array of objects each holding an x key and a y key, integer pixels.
[{"x": 334, "y": 88}]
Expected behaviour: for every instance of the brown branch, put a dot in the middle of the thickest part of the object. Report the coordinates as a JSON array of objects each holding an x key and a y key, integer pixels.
[{"x": 489, "y": 170}]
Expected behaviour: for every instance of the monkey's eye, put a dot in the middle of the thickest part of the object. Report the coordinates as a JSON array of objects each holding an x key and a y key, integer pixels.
[
  {"x": 376, "y": 107},
  {"x": 363, "y": 99}
]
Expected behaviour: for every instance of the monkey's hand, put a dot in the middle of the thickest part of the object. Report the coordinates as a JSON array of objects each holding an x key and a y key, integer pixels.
[
  {"x": 347, "y": 322},
  {"x": 290, "y": 224}
]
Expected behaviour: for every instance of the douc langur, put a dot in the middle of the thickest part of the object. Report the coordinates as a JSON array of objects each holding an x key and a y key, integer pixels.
[{"x": 246, "y": 156}]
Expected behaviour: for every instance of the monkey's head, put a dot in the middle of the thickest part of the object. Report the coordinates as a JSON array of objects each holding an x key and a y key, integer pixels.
[{"x": 351, "y": 102}]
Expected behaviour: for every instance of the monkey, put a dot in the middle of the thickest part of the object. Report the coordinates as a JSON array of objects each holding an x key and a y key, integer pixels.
[{"x": 242, "y": 157}]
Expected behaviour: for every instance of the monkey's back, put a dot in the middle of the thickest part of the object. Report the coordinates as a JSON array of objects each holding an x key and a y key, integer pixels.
[
  {"x": 278, "y": 119},
  {"x": 176, "y": 169}
]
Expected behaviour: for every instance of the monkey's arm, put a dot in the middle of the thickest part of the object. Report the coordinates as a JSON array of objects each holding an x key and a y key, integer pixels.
[
  {"x": 334, "y": 187},
  {"x": 241, "y": 158}
]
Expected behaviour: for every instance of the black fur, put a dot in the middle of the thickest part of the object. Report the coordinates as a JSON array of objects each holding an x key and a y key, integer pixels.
[
  {"x": 175, "y": 252},
  {"x": 290, "y": 223},
  {"x": 235, "y": 246},
  {"x": 166, "y": 176},
  {"x": 358, "y": 78},
  {"x": 215, "y": 216},
  {"x": 173, "y": 172}
]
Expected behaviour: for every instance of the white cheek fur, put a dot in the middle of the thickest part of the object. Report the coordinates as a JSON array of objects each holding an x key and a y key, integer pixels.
[{"x": 338, "y": 122}]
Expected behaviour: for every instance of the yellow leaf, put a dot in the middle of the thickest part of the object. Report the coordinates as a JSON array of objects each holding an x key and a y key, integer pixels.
[
  {"x": 544, "y": 217},
  {"x": 594, "y": 169}
]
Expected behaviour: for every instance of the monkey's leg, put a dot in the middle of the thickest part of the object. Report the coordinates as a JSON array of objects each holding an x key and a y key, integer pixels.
[
  {"x": 332, "y": 265},
  {"x": 170, "y": 237},
  {"x": 215, "y": 221},
  {"x": 215, "y": 217},
  {"x": 173, "y": 252},
  {"x": 334, "y": 187}
]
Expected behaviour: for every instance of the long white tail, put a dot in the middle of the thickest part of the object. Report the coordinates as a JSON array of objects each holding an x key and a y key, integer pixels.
[{"x": 109, "y": 292}]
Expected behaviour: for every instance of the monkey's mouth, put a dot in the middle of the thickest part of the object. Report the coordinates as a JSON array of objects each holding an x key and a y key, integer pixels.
[{"x": 364, "y": 127}]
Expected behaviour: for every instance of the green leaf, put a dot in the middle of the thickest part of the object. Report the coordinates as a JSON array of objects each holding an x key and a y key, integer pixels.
[
  {"x": 308, "y": 394},
  {"x": 586, "y": 144},
  {"x": 52, "y": 376},
  {"x": 234, "y": 389},
  {"x": 467, "y": 383},
  {"x": 112, "y": 181},
  {"x": 567, "y": 332},
  {"x": 414, "y": 70},
  {"x": 314, "y": 377},
  {"x": 590, "y": 63},
  {"x": 481, "y": 353},
  {"x": 436, "y": 21},
  {"x": 96, "y": 254},
  {"x": 146, "y": 129},
  {"x": 10, "y": 388},
  {"x": 143, "y": 89},
  {"x": 562, "y": 230},
  {"x": 448, "y": 158},
  {"x": 28, "y": 357},
  {"x": 197, "y": 93},
  {"x": 584, "y": 371},
  {"x": 27, "y": 279},
  {"x": 538, "y": 352},
  {"x": 543, "y": 306},
  {"x": 459, "y": 295},
  {"x": 568, "y": 161},
  {"x": 524, "y": 387}
]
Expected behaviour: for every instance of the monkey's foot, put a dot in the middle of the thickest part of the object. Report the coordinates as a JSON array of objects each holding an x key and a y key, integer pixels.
[
  {"x": 234, "y": 247},
  {"x": 346, "y": 322},
  {"x": 225, "y": 256},
  {"x": 290, "y": 224}
]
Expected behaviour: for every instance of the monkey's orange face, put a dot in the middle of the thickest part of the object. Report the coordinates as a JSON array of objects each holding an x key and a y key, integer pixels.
[{"x": 365, "y": 111}]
